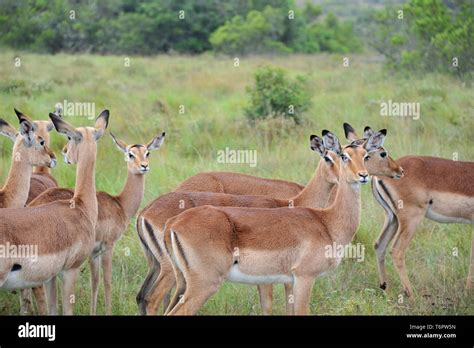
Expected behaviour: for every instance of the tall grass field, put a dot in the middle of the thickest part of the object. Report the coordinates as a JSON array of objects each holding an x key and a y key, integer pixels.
[{"x": 199, "y": 101}]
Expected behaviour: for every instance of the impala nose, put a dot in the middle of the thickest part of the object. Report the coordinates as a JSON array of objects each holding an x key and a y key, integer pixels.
[
  {"x": 144, "y": 168},
  {"x": 363, "y": 177}
]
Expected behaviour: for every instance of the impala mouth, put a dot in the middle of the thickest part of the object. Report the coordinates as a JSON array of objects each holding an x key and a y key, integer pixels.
[
  {"x": 144, "y": 170},
  {"x": 53, "y": 163},
  {"x": 364, "y": 180}
]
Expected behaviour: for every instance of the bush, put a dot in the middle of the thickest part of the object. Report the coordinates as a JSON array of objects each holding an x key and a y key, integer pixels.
[{"x": 275, "y": 94}]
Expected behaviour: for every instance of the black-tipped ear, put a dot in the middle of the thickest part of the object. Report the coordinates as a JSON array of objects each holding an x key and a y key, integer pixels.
[
  {"x": 350, "y": 132},
  {"x": 156, "y": 142},
  {"x": 331, "y": 142},
  {"x": 65, "y": 128},
  {"x": 101, "y": 124},
  {"x": 7, "y": 130},
  {"x": 376, "y": 140},
  {"x": 317, "y": 145},
  {"x": 120, "y": 144},
  {"x": 368, "y": 132}
]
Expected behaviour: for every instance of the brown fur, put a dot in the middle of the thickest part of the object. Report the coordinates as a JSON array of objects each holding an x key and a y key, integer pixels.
[
  {"x": 114, "y": 213},
  {"x": 67, "y": 227},
  {"x": 281, "y": 241},
  {"x": 159, "y": 282},
  {"x": 239, "y": 184},
  {"x": 431, "y": 186}
]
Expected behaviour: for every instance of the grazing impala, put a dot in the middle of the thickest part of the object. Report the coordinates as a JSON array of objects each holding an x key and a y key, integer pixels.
[
  {"x": 240, "y": 184},
  {"x": 115, "y": 213},
  {"x": 67, "y": 226},
  {"x": 151, "y": 222},
  {"x": 264, "y": 246},
  {"x": 439, "y": 189},
  {"x": 152, "y": 219}
]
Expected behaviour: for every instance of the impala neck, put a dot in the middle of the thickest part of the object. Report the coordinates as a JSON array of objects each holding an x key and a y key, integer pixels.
[
  {"x": 344, "y": 214},
  {"x": 41, "y": 170},
  {"x": 17, "y": 186},
  {"x": 132, "y": 194},
  {"x": 85, "y": 190},
  {"x": 316, "y": 193}
]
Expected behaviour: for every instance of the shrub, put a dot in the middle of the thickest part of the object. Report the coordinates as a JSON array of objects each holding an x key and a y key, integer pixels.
[{"x": 275, "y": 94}]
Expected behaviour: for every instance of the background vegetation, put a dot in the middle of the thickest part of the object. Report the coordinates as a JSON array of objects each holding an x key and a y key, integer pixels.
[{"x": 144, "y": 100}]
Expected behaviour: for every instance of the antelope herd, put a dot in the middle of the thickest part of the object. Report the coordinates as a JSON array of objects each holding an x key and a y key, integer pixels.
[{"x": 215, "y": 226}]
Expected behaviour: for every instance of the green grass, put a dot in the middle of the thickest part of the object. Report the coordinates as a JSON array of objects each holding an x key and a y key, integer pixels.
[{"x": 144, "y": 100}]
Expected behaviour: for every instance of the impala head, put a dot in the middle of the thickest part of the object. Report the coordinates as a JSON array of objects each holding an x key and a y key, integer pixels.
[
  {"x": 330, "y": 167},
  {"x": 30, "y": 144},
  {"x": 137, "y": 155},
  {"x": 82, "y": 139},
  {"x": 378, "y": 163},
  {"x": 353, "y": 159}
]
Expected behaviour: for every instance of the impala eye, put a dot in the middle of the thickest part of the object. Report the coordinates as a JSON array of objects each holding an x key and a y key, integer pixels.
[
  {"x": 68, "y": 138},
  {"x": 383, "y": 154},
  {"x": 147, "y": 154},
  {"x": 130, "y": 155},
  {"x": 42, "y": 142},
  {"x": 366, "y": 158},
  {"x": 344, "y": 158},
  {"x": 327, "y": 159}
]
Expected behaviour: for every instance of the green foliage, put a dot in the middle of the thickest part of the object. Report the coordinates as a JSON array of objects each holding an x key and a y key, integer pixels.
[
  {"x": 277, "y": 30},
  {"x": 275, "y": 94},
  {"x": 429, "y": 37},
  {"x": 153, "y": 26}
]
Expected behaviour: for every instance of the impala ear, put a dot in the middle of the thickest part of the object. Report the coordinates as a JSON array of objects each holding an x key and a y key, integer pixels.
[
  {"x": 368, "y": 132},
  {"x": 50, "y": 126},
  {"x": 119, "y": 143},
  {"x": 27, "y": 128},
  {"x": 65, "y": 128},
  {"x": 331, "y": 142},
  {"x": 101, "y": 124},
  {"x": 317, "y": 145},
  {"x": 350, "y": 132},
  {"x": 156, "y": 142},
  {"x": 376, "y": 140},
  {"x": 7, "y": 130}
]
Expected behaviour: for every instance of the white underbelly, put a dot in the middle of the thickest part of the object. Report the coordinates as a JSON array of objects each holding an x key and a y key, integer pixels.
[
  {"x": 15, "y": 280},
  {"x": 237, "y": 276},
  {"x": 438, "y": 217}
]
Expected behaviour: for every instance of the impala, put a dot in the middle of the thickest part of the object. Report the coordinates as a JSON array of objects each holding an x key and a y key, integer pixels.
[
  {"x": 40, "y": 180},
  {"x": 264, "y": 246},
  {"x": 151, "y": 220},
  {"x": 114, "y": 213},
  {"x": 67, "y": 226},
  {"x": 439, "y": 189}
]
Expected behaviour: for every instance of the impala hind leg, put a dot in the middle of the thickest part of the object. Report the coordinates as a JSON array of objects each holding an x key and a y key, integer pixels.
[
  {"x": 26, "y": 302},
  {"x": 51, "y": 296},
  {"x": 161, "y": 288},
  {"x": 302, "y": 287},
  {"x": 198, "y": 290},
  {"x": 154, "y": 270},
  {"x": 40, "y": 297},
  {"x": 180, "y": 289},
  {"x": 107, "y": 273},
  {"x": 290, "y": 299},
  {"x": 470, "y": 276},
  {"x": 69, "y": 284},
  {"x": 265, "y": 293},
  {"x": 94, "y": 263},
  {"x": 389, "y": 231},
  {"x": 408, "y": 222}
]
